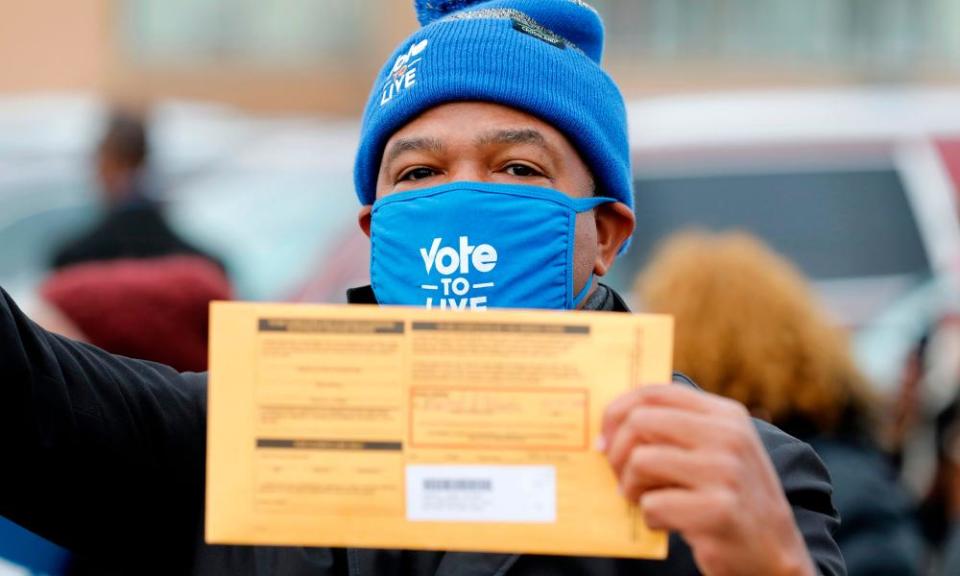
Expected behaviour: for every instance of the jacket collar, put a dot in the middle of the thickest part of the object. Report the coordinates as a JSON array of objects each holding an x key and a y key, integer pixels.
[
  {"x": 365, "y": 295},
  {"x": 475, "y": 564}
]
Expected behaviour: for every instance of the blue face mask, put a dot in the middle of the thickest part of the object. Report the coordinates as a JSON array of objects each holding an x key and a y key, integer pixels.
[{"x": 473, "y": 245}]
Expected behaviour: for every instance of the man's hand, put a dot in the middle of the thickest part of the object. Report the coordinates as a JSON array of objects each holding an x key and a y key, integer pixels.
[{"x": 696, "y": 465}]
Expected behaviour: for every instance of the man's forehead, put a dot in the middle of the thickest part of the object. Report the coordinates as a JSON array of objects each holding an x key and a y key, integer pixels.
[
  {"x": 473, "y": 120},
  {"x": 472, "y": 123}
]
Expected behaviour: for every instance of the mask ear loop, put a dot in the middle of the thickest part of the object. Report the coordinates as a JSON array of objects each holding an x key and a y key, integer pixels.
[
  {"x": 582, "y": 205},
  {"x": 583, "y": 292}
]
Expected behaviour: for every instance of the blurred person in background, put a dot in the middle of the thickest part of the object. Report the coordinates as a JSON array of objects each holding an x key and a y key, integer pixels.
[
  {"x": 134, "y": 225},
  {"x": 942, "y": 506},
  {"x": 925, "y": 435},
  {"x": 748, "y": 327},
  {"x": 155, "y": 310}
]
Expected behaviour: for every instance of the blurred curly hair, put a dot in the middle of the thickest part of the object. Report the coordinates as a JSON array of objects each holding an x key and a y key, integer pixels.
[{"x": 748, "y": 327}]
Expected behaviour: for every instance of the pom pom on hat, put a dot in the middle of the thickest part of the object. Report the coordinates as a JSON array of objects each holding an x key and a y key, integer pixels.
[
  {"x": 573, "y": 20},
  {"x": 430, "y": 10}
]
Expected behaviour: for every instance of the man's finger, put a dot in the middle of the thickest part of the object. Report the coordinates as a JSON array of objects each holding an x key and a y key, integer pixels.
[
  {"x": 618, "y": 409},
  {"x": 688, "y": 512},
  {"x": 664, "y": 426},
  {"x": 657, "y": 467},
  {"x": 687, "y": 398},
  {"x": 666, "y": 395}
]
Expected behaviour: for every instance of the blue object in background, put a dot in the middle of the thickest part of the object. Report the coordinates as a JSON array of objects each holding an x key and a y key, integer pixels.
[{"x": 26, "y": 549}]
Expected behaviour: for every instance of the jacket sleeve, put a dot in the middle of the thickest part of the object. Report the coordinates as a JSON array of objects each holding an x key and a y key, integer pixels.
[
  {"x": 806, "y": 484},
  {"x": 101, "y": 454}
]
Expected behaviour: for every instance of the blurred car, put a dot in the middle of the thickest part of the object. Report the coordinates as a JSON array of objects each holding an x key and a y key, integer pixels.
[
  {"x": 857, "y": 187},
  {"x": 269, "y": 195}
]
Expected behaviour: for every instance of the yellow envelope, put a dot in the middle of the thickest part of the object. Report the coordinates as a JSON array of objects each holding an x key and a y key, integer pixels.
[{"x": 390, "y": 427}]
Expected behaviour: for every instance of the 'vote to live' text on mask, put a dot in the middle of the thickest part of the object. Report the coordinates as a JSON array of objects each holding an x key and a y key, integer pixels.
[{"x": 471, "y": 245}]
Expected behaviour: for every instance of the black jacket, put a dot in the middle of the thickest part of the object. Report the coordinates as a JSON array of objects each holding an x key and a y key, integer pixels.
[
  {"x": 134, "y": 230},
  {"x": 879, "y": 535},
  {"x": 105, "y": 455}
]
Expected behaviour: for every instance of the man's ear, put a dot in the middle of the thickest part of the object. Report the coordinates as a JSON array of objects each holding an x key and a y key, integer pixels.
[
  {"x": 364, "y": 219},
  {"x": 615, "y": 224}
]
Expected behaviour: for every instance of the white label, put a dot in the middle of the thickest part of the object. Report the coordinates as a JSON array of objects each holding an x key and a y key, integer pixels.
[{"x": 468, "y": 493}]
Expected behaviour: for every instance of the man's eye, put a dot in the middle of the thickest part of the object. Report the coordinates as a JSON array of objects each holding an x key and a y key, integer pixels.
[
  {"x": 522, "y": 171},
  {"x": 416, "y": 174}
]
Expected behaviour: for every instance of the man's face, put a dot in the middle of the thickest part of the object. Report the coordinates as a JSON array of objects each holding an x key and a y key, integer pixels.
[{"x": 483, "y": 142}]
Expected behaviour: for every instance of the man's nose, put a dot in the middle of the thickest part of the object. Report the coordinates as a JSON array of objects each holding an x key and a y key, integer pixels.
[{"x": 469, "y": 171}]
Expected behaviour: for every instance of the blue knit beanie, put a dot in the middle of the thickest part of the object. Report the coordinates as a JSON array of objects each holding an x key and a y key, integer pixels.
[{"x": 541, "y": 57}]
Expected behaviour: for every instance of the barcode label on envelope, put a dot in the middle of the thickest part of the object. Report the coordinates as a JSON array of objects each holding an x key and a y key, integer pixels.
[{"x": 481, "y": 493}]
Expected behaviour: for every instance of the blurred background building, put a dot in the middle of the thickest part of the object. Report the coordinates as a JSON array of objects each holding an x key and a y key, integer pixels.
[
  {"x": 829, "y": 128},
  {"x": 318, "y": 56}
]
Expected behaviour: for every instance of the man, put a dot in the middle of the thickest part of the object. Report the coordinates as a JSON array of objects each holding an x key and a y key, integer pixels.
[
  {"x": 493, "y": 171},
  {"x": 134, "y": 225}
]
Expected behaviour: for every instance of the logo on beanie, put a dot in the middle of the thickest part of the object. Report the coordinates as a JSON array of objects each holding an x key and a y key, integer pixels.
[
  {"x": 456, "y": 267},
  {"x": 403, "y": 75},
  {"x": 530, "y": 28}
]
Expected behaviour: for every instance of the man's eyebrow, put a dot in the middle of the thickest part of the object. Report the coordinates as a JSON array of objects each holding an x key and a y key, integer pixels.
[
  {"x": 411, "y": 145},
  {"x": 520, "y": 136}
]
